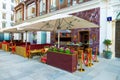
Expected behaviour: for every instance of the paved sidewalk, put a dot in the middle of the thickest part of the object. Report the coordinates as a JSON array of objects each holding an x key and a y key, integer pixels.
[{"x": 15, "y": 67}]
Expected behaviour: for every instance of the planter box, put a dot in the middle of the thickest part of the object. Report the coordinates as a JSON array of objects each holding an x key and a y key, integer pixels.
[{"x": 64, "y": 61}]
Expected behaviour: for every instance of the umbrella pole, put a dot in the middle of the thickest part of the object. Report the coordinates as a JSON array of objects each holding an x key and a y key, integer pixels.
[
  {"x": 11, "y": 35},
  {"x": 26, "y": 39},
  {"x": 58, "y": 38}
]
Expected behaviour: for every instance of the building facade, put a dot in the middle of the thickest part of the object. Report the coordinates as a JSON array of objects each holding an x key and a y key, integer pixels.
[
  {"x": 6, "y": 16},
  {"x": 95, "y": 11}
]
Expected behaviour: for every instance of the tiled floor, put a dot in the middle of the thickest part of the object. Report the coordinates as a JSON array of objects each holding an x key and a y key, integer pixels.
[{"x": 14, "y": 67}]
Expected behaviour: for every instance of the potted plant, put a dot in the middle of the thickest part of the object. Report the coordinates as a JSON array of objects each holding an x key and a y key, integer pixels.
[{"x": 107, "y": 53}]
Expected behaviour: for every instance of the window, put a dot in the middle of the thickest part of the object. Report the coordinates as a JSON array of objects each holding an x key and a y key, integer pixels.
[
  {"x": 12, "y": 7},
  {"x": 12, "y": 1},
  {"x": 12, "y": 17},
  {"x": 53, "y": 5},
  {"x": 74, "y": 2},
  {"x": 42, "y": 7},
  {"x": 4, "y": 16},
  {"x": 69, "y": 1},
  {"x": 4, "y": 6},
  {"x": 80, "y": 1},
  {"x": 11, "y": 23},
  {"x": 19, "y": 15},
  {"x": 3, "y": 24},
  {"x": 33, "y": 10}
]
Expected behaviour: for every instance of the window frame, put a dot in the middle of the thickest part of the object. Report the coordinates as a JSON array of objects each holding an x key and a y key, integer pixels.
[
  {"x": 3, "y": 15},
  {"x": 4, "y": 5},
  {"x": 3, "y": 24}
]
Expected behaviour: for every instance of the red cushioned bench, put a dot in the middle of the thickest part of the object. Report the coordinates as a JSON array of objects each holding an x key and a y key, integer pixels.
[{"x": 37, "y": 49}]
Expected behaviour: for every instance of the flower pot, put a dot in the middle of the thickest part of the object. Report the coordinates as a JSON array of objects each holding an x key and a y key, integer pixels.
[{"x": 107, "y": 54}]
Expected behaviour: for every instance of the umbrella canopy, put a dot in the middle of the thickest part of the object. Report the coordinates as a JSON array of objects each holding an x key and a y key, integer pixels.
[
  {"x": 58, "y": 22},
  {"x": 10, "y": 29},
  {"x": 14, "y": 29}
]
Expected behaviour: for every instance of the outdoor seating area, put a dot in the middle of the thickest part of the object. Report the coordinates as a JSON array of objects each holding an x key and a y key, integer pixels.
[
  {"x": 66, "y": 58},
  {"x": 60, "y": 40}
]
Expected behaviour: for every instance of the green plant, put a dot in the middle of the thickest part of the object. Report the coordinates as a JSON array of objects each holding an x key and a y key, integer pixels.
[
  {"x": 107, "y": 52},
  {"x": 107, "y": 42},
  {"x": 61, "y": 49},
  {"x": 67, "y": 51}
]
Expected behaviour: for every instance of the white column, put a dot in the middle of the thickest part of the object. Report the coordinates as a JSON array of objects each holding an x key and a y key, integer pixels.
[
  {"x": 103, "y": 26},
  {"x": 113, "y": 39}
]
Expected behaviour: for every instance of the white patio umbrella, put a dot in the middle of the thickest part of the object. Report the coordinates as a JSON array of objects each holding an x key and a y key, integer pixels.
[
  {"x": 58, "y": 22},
  {"x": 14, "y": 29}
]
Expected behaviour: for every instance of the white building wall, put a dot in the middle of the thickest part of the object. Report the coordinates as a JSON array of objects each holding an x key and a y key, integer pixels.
[
  {"x": 114, "y": 10},
  {"x": 103, "y": 25},
  {"x": 8, "y": 12}
]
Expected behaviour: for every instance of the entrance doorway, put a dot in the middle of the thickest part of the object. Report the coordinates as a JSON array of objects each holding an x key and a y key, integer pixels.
[
  {"x": 117, "y": 40},
  {"x": 84, "y": 38}
]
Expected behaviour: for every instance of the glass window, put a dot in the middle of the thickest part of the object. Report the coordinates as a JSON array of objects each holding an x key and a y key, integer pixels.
[
  {"x": 4, "y": 16},
  {"x": 12, "y": 8},
  {"x": 74, "y": 2},
  {"x": 31, "y": 11},
  {"x": 42, "y": 7},
  {"x": 4, "y": 6},
  {"x": 53, "y": 5},
  {"x": 3, "y": 24},
  {"x": 80, "y": 1},
  {"x": 11, "y": 23},
  {"x": 6, "y": 36},
  {"x": 69, "y": 2},
  {"x": 12, "y": 1},
  {"x": 19, "y": 15},
  {"x": 12, "y": 17}
]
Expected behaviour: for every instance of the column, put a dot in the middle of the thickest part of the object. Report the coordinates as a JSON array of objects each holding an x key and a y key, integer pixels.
[{"x": 113, "y": 38}]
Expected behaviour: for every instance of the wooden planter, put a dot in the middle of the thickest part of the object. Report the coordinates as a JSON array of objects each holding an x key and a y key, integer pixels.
[{"x": 64, "y": 61}]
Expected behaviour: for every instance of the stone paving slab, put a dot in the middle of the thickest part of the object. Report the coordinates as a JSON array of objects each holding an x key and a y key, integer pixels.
[{"x": 15, "y": 67}]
